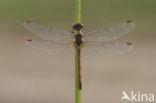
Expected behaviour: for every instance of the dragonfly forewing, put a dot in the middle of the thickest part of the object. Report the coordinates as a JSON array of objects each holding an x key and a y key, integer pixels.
[
  {"x": 110, "y": 33},
  {"x": 47, "y": 33}
]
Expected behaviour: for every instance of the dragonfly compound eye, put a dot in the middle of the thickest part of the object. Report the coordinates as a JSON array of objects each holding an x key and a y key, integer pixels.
[{"x": 78, "y": 26}]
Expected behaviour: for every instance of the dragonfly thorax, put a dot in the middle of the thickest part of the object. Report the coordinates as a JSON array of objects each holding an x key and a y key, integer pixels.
[{"x": 78, "y": 40}]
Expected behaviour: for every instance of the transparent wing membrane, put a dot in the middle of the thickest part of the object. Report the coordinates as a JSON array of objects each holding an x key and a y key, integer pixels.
[
  {"x": 97, "y": 43},
  {"x": 105, "y": 48},
  {"x": 52, "y": 47},
  {"x": 110, "y": 33},
  {"x": 48, "y": 33}
]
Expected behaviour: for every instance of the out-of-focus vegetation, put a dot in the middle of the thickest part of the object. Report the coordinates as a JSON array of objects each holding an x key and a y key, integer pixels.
[{"x": 95, "y": 13}]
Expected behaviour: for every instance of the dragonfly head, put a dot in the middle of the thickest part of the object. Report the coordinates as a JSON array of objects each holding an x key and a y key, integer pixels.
[{"x": 78, "y": 26}]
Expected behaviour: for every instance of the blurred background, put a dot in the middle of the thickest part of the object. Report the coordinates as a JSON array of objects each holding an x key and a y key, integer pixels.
[{"x": 31, "y": 76}]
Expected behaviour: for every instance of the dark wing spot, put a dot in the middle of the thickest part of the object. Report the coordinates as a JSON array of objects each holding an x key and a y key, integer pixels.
[
  {"x": 128, "y": 21},
  {"x": 28, "y": 21},
  {"x": 29, "y": 40},
  {"x": 128, "y": 43}
]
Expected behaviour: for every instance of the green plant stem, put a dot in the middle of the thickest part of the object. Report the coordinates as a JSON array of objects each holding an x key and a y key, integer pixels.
[
  {"x": 78, "y": 11},
  {"x": 77, "y": 57},
  {"x": 77, "y": 76}
]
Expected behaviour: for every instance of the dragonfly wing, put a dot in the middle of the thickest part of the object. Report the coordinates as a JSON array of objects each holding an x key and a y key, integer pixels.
[
  {"x": 110, "y": 33},
  {"x": 48, "y": 33},
  {"x": 106, "y": 48},
  {"x": 52, "y": 47}
]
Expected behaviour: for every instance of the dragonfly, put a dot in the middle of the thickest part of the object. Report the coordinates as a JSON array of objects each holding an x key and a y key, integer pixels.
[{"x": 96, "y": 42}]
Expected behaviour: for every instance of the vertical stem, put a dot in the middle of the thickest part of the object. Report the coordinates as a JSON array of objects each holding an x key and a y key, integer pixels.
[
  {"x": 78, "y": 11},
  {"x": 77, "y": 75},
  {"x": 77, "y": 57}
]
